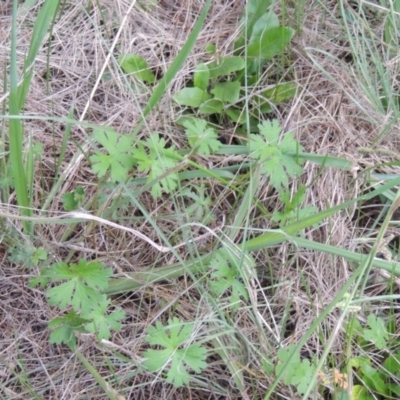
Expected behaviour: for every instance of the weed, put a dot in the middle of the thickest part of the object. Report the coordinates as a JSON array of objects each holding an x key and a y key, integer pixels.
[
  {"x": 177, "y": 352},
  {"x": 219, "y": 86},
  {"x": 377, "y": 368},
  {"x": 27, "y": 256},
  {"x": 79, "y": 286},
  {"x": 203, "y": 183}
]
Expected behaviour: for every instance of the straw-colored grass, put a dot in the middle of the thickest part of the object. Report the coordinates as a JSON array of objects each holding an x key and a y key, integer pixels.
[{"x": 332, "y": 115}]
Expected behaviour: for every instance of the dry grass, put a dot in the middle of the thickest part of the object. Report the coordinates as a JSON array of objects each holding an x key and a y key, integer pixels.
[{"x": 325, "y": 118}]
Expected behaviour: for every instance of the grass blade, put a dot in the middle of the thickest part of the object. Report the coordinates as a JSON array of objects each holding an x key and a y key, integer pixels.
[
  {"x": 134, "y": 281},
  {"x": 174, "y": 68},
  {"x": 16, "y": 131},
  {"x": 44, "y": 19}
]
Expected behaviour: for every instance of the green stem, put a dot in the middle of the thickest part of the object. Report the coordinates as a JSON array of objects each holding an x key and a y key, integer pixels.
[{"x": 98, "y": 378}]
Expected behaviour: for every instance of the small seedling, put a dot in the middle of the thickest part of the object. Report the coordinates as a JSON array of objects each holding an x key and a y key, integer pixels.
[
  {"x": 73, "y": 200},
  {"x": 295, "y": 371},
  {"x": 277, "y": 157},
  {"x": 118, "y": 161},
  {"x": 27, "y": 256},
  {"x": 199, "y": 209},
  {"x": 292, "y": 207},
  {"x": 156, "y": 162},
  {"x": 202, "y": 138},
  {"x": 225, "y": 280},
  {"x": 137, "y": 67},
  {"x": 177, "y": 354}
]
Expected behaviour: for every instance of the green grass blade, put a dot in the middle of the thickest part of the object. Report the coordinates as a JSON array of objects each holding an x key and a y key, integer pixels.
[
  {"x": 320, "y": 159},
  {"x": 60, "y": 180},
  {"x": 390, "y": 266},
  {"x": 274, "y": 237},
  {"x": 16, "y": 131},
  {"x": 17, "y": 100},
  {"x": 44, "y": 19},
  {"x": 246, "y": 203},
  {"x": 174, "y": 68},
  {"x": 324, "y": 314}
]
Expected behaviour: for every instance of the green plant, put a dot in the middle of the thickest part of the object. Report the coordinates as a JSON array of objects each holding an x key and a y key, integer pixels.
[
  {"x": 73, "y": 200},
  {"x": 149, "y": 156},
  {"x": 298, "y": 372},
  {"x": 293, "y": 210},
  {"x": 377, "y": 368},
  {"x": 177, "y": 352},
  {"x": 118, "y": 161},
  {"x": 199, "y": 208},
  {"x": 277, "y": 158},
  {"x": 219, "y": 86},
  {"x": 137, "y": 67},
  {"x": 27, "y": 256},
  {"x": 78, "y": 291},
  {"x": 225, "y": 280},
  {"x": 201, "y": 137},
  {"x": 21, "y": 166}
]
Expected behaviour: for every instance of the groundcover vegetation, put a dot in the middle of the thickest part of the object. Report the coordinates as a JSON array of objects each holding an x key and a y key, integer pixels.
[{"x": 199, "y": 199}]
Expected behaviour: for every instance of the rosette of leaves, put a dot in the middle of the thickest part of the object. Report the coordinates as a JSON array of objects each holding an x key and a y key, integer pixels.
[{"x": 219, "y": 87}]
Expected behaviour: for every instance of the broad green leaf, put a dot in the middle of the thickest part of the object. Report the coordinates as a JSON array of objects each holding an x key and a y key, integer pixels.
[
  {"x": 252, "y": 12},
  {"x": 361, "y": 393},
  {"x": 281, "y": 92},
  {"x": 267, "y": 21},
  {"x": 211, "y": 106},
  {"x": 74, "y": 293},
  {"x": 92, "y": 273},
  {"x": 210, "y": 48},
  {"x": 84, "y": 282},
  {"x": 377, "y": 333},
  {"x": 136, "y": 66},
  {"x": 227, "y": 92},
  {"x": 225, "y": 66},
  {"x": 255, "y": 8},
  {"x": 236, "y": 115},
  {"x": 373, "y": 379},
  {"x": 201, "y": 76},
  {"x": 392, "y": 363},
  {"x": 393, "y": 388},
  {"x": 265, "y": 108},
  {"x": 191, "y": 97},
  {"x": 270, "y": 43},
  {"x": 73, "y": 200},
  {"x": 64, "y": 328}
]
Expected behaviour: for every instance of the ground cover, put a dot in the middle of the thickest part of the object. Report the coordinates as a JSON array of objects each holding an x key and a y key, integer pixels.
[{"x": 199, "y": 200}]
